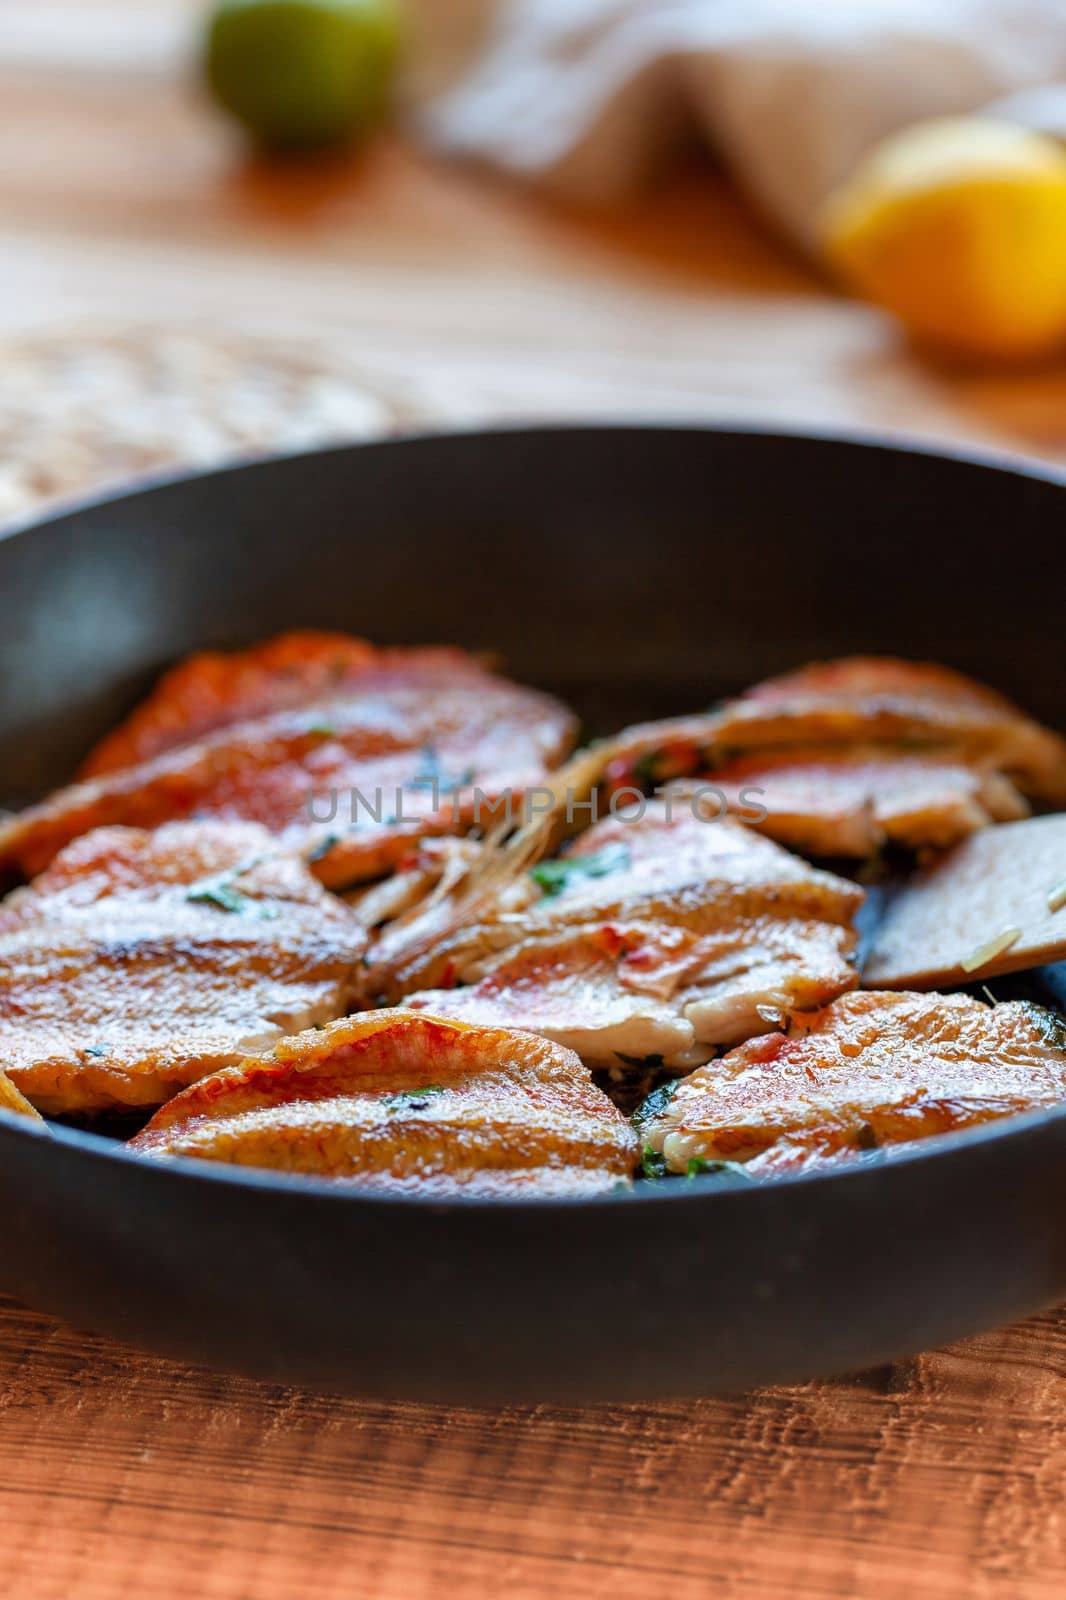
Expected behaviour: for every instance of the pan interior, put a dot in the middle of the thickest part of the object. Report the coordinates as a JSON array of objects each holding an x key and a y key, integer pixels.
[{"x": 636, "y": 572}]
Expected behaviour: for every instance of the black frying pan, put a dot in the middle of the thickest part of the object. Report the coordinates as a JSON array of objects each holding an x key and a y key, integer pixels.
[{"x": 638, "y": 571}]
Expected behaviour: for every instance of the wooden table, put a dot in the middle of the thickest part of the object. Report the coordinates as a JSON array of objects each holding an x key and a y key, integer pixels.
[{"x": 122, "y": 199}]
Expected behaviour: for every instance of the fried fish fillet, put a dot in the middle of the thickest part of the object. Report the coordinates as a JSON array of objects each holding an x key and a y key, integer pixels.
[
  {"x": 405, "y": 744},
  {"x": 889, "y": 701},
  {"x": 663, "y": 859},
  {"x": 410, "y": 1103},
  {"x": 870, "y": 1070},
  {"x": 217, "y": 688},
  {"x": 856, "y": 752},
  {"x": 661, "y": 934},
  {"x": 140, "y": 962},
  {"x": 852, "y": 803}
]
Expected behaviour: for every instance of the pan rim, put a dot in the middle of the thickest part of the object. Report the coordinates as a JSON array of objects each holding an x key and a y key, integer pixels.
[{"x": 988, "y": 457}]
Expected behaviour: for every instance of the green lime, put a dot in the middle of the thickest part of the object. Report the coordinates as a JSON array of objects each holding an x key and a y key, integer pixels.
[{"x": 302, "y": 74}]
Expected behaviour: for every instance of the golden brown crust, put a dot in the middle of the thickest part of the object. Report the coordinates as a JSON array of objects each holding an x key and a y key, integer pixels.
[
  {"x": 139, "y": 962},
  {"x": 854, "y": 802},
  {"x": 664, "y": 864},
  {"x": 395, "y": 1101},
  {"x": 871, "y": 1070},
  {"x": 863, "y": 708},
  {"x": 887, "y": 700},
  {"x": 217, "y": 688},
  {"x": 352, "y": 779}
]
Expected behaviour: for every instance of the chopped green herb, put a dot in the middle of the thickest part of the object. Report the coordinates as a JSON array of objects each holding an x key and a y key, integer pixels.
[
  {"x": 646, "y": 767},
  {"x": 655, "y": 1104},
  {"x": 220, "y": 891},
  {"x": 733, "y": 1170},
  {"x": 219, "y": 894},
  {"x": 555, "y": 876},
  {"x": 1050, "y": 1024},
  {"x": 322, "y": 730},
  {"x": 652, "y": 1164},
  {"x": 414, "y": 1099}
]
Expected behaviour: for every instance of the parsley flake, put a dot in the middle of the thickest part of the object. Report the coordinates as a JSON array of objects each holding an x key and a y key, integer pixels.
[
  {"x": 414, "y": 1099},
  {"x": 655, "y": 1104},
  {"x": 555, "y": 876},
  {"x": 646, "y": 767},
  {"x": 222, "y": 895},
  {"x": 652, "y": 1164},
  {"x": 220, "y": 891},
  {"x": 732, "y": 1171}
]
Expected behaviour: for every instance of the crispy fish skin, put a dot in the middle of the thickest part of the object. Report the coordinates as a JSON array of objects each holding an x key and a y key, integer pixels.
[
  {"x": 688, "y": 934},
  {"x": 675, "y": 858},
  {"x": 860, "y": 701},
  {"x": 871, "y": 1070},
  {"x": 399, "y": 753},
  {"x": 852, "y": 803},
  {"x": 886, "y": 700},
  {"x": 140, "y": 962},
  {"x": 407, "y": 1103},
  {"x": 217, "y": 688}
]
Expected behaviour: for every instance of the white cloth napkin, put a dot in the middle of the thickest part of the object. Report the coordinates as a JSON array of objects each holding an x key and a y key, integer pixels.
[{"x": 591, "y": 97}]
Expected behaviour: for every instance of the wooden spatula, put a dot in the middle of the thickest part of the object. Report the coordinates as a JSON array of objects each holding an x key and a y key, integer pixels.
[{"x": 996, "y": 903}]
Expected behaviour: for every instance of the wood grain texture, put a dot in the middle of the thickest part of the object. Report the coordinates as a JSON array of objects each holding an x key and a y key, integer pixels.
[
  {"x": 123, "y": 200},
  {"x": 121, "y": 1474}
]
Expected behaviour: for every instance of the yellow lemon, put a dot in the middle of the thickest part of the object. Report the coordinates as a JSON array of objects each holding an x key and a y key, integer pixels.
[{"x": 958, "y": 227}]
